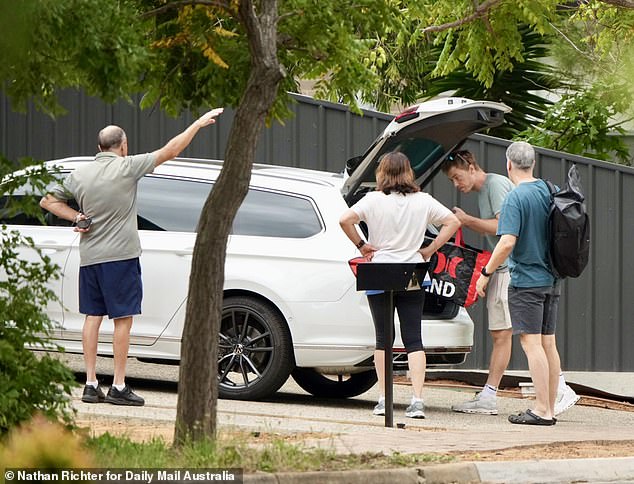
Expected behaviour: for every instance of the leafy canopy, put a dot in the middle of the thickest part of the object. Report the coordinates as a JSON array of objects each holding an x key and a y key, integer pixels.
[
  {"x": 526, "y": 54},
  {"x": 187, "y": 57}
]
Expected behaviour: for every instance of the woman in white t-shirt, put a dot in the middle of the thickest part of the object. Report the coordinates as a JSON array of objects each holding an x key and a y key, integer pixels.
[{"x": 397, "y": 215}]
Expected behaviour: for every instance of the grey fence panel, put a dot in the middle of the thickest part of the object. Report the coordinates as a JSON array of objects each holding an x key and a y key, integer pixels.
[{"x": 595, "y": 325}]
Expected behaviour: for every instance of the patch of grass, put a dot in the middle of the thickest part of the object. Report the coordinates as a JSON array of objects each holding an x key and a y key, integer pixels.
[{"x": 239, "y": 451}]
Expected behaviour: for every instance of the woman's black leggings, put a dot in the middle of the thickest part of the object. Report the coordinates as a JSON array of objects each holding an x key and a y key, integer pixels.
[{"x": 409, "y": 305}]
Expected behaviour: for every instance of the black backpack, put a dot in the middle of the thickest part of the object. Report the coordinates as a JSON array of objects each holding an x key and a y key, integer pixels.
[{"x": 569, "y": 228}]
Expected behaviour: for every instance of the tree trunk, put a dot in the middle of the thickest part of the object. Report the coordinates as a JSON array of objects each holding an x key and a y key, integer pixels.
[{"x": 198, "y": 385}]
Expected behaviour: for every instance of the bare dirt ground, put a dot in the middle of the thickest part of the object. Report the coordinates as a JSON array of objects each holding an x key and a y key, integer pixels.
[
  {"x": 140, "y": 430},
  {"x": 558, "y": 450}
]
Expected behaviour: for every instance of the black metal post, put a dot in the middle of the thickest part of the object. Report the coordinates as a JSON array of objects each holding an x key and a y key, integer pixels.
[
  {"x": 389, "y": 277},
  {"x": 389, "y": 379}
]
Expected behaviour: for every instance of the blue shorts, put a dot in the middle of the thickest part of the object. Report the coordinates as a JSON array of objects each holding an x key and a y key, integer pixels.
[{"x": 112, "y": 289}]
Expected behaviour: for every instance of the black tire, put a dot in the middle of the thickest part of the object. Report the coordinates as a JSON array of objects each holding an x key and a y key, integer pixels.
[
  {"x": 334, "y": 386},
  {"x": 255, "y": 351}
]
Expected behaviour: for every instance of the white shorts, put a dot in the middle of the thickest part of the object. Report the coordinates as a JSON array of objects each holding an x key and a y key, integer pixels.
[{"x": 498, "y": 301}]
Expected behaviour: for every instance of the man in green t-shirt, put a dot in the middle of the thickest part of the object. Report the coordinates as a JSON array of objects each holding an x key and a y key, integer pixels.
[
  {"x": 109, "y": 248},
  {"x": 467, "y": 176}
]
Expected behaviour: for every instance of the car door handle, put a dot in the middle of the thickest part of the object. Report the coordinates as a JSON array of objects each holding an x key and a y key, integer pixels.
[
  {"x": 184, "y": 252},
  {"x": 51, "y": 247}
]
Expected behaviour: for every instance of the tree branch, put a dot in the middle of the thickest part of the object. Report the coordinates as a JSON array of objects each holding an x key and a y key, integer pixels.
[
  {"x": 620, "y": 3},
  {"x": 620, "y": 123},
  {"x": 185, "y": 3},
  {"x": 574, "y": 46},
  {"x": 480, "y": 11}
]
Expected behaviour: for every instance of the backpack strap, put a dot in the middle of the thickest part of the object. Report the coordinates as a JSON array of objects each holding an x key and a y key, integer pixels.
[{"x": 551, "y": 187}]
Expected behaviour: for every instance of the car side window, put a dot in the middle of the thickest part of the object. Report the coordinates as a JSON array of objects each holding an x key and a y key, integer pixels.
[
  {"x": 271, "y": 214},
  {"x": 11, "y": 216},
  {"x": 170, "y": 203},
  {"x": 175, "y": 205}
]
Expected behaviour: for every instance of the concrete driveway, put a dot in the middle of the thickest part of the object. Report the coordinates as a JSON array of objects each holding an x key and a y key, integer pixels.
[{"x": 348, "y": 425}]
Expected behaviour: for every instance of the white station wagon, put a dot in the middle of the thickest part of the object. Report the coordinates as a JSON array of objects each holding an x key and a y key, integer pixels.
[{"x": 290, "y": 301}]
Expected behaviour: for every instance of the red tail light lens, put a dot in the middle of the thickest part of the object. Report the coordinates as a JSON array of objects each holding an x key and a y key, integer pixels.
[{"x": 409, "y": 113}]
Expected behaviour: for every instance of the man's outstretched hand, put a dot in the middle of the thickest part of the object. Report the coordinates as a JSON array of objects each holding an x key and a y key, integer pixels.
[{"x": 209, "y": 117}]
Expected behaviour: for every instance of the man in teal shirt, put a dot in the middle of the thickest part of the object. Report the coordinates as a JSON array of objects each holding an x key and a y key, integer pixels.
[{"x": 533, "y": 292}]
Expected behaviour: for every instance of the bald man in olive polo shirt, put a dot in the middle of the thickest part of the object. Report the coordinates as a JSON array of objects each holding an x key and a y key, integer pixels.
[{"x": 110, "y": 274}]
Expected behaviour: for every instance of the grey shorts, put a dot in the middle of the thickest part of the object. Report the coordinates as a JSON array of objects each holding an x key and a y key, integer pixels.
[{"x": 534, "y": 309}]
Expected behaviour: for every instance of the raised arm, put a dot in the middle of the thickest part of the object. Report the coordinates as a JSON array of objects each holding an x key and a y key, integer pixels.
[{"x": 179, "y": 142}]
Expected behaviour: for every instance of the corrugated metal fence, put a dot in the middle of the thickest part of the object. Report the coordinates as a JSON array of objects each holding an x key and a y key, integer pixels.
[{"x": 595, "y": 324}]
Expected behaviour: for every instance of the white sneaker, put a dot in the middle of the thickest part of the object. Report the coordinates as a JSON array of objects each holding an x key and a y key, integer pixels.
[
  {"x": 479, "y": 404},
  {"x": 379, "y": 408},
  {"x": 415, "y": 410},
  {"x": 565, "y": 400}
]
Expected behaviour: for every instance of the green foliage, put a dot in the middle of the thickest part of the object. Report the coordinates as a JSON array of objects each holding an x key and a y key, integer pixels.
[
  {"x": 188, "y": 57},
  {"x": 523, "y": 88},
  {"x": 201, "y": 56},
  {"x": 497, "y": 51},
  {"x": 331, "y": 42},
  {"x": 112, "y": 451},
  {"x": 607, "y": 29},
  {"x": 581, "y": 123},
  {"x": 71, "y": 43},
  {"x": 491, "y": 41},
  {"x": 499, "y": 56},
  {"x": 246, "y": 450},
  {"x": 30, "y": 383}
]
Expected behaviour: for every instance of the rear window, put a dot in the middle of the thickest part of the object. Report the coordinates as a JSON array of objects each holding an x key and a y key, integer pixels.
[
  {"x": 270, "y": 214},
  {"x": 422, "y": 152}
]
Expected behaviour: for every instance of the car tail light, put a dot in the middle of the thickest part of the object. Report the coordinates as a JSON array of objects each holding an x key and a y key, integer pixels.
[
  {"x": 409, "y": 113},
  {"x": 353, "y": 263}
]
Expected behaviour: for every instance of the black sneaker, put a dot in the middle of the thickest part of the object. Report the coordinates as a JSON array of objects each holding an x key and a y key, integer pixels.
[
  {"x": 92, "y": 394},
  {"x": 124, "y": 397}
]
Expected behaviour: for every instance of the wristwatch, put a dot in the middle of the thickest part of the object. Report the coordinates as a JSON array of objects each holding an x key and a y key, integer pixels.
[
  {"x": 485, "y": 273},
  {"x": 360, "y": 244}
]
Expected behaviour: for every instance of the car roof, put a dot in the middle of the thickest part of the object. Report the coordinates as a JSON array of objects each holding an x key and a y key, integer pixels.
[{"x": 262, "y": 175}]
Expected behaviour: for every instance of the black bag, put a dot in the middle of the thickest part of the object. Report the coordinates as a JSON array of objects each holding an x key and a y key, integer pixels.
[
  {"x": 569, "y": 228},
  {"x": 455, "y": 269}
]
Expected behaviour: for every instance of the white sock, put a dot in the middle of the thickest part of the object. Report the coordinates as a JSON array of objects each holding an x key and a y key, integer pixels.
[
  {"x": 414, "y": 399},
  {"x": 119, "y": 387},
  {"x": 562, "y": 383},
  {"x": 489, "y": 391},
  {"x": 94, "y": 384},
  {"x": 381, "y": 398}
]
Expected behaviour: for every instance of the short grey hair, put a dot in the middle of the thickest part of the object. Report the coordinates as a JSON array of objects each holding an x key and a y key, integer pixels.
[
  {"x": 111, "y": 137},
  {"x": 521, "y": 154}
]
